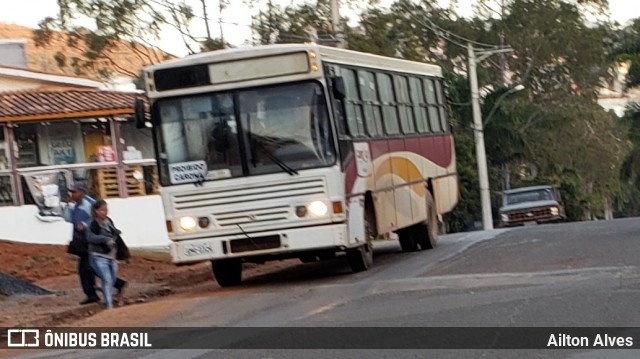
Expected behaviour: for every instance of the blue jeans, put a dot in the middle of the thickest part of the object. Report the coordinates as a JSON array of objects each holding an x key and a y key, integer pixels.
[{"x": 107, "y": 270}]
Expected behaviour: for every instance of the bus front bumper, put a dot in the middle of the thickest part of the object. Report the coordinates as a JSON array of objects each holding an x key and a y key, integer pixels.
[{"x": 256, "y": 244}]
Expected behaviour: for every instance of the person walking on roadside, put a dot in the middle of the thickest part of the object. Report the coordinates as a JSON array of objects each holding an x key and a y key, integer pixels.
[
  {"x": 104, "y": 244},
  {"x": 80, "y": 217}
]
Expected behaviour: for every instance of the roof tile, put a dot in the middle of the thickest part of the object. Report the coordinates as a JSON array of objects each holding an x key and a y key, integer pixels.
[{"x": 17, "y": 105}]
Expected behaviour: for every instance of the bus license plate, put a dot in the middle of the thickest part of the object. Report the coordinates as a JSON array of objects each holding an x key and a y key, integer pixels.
[{"x": 197, "y": 249}]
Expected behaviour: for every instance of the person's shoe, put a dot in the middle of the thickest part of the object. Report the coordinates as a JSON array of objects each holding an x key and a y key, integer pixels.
[
  {"x": 120, "y": 289},
  {"x": 89, "y": 300}
]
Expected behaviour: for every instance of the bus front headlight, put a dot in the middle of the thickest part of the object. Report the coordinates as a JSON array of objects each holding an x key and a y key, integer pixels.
[
  {"x": 187, "y": 223},
  {"x": 504, "y": 217},
  {"x": 317, "y": 208},
  {"x": 554, "y": 211}
]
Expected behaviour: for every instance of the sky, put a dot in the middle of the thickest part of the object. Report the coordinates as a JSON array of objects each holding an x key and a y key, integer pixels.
[{"x": 237, "y": 18}]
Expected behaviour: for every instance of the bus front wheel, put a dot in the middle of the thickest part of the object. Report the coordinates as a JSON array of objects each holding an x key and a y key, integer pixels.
[
  {"x": 228, "y": 272},
  {"x": 361, "y": 258}
]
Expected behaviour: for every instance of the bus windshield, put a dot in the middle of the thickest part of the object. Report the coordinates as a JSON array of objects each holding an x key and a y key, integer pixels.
[{"x": 245, "y": 132}]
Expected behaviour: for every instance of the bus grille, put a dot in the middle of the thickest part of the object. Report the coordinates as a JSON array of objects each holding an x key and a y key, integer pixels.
[{"x": 253, "y": 204}]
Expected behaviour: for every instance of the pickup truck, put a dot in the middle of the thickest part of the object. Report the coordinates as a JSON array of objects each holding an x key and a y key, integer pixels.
[{"x": 528, "y": 205}]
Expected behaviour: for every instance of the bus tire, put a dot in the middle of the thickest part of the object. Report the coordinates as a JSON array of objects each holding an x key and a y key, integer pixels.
[
  {"x": 407, "y": 239},
  {"x": 361, "y": 258},
  {"x": 427, "y": 233},
  {"x": 227, "y": 272}
]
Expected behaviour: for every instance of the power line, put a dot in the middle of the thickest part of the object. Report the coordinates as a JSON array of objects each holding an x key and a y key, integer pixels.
[{"x": 446, "y": 34}]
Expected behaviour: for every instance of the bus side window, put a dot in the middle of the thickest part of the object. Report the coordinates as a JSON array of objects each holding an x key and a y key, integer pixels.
[
  {"x": 404, "y": 104},
  {"x": 387, "y": 98},
  {"x": 434, "y": 114},
  {"x": 442, "y": 103},
  {"x": 338, "y": 95},
  {"x": 369, "y": 96},
  {"x": 419, "y": 104},
  {"x": 353, "y": 106}
]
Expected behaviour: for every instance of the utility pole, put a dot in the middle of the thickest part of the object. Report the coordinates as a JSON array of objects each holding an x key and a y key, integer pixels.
[
  {"x": 478, "y": 131},
  {"x": 335, "y": 23}
]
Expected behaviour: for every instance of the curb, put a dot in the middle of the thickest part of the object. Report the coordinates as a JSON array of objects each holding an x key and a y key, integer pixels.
[{"x": 88, "y": 310}]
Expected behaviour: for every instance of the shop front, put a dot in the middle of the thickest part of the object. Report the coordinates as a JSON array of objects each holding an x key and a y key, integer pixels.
[{"x": 49, "y": 139}]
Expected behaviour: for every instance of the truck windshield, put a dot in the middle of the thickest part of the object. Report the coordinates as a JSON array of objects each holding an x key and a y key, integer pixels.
[
  {"x": 529, "y": 196},
  {"x": 242, "y": 133}
]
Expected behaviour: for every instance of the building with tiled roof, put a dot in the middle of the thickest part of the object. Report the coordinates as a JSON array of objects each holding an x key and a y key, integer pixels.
[
  {"x": 53, "y": 122},
  {"x": 21, "y": 106},
  {"x": 58, "y": 127}
]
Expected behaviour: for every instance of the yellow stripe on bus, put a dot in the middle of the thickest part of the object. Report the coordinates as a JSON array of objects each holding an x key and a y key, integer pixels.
[{"x": 403, "y": 168}]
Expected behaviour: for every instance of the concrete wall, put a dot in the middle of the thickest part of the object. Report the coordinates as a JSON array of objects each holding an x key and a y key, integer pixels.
[
  {"x": 12, "y": 84},
  {"x": 13, "y": 53},
  {"x": 141, "y": 220}
]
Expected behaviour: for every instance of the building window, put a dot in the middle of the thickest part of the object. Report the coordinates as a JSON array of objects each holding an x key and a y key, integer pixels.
[
  {"x": 6, "y": 197},
  {"x": 26, "y": 136}
]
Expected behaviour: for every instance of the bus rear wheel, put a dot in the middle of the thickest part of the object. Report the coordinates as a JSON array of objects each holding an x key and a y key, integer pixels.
[
  {"x": 227, "y": 272},
  {"x": 427, "y": 233},
  {"x": 361, "y": 258},
  {"x": 407, "y": 238}
]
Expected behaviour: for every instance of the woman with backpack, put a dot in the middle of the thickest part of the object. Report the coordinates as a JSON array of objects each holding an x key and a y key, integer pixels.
[{"x": 106, "y": 247}]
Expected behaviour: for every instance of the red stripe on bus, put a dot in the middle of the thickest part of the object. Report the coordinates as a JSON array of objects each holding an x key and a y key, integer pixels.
[{"x": 437, "y": 149}]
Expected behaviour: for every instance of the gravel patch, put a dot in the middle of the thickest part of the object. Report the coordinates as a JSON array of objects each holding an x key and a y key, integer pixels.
[{"x": 10, "y": 285}]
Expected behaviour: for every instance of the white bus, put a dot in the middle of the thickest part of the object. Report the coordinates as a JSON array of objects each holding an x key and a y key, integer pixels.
[{"x": 298, "y": 150}]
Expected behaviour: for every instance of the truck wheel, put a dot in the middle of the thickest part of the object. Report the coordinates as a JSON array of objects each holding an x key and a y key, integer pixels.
[{"x": 228, "y": 272}]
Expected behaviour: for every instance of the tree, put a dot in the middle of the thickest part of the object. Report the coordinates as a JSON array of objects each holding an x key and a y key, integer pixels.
[
  {"x": 137, "y": 24},
  {"x": 561, "y": 62},
  {"x": 295, "y": 23}
]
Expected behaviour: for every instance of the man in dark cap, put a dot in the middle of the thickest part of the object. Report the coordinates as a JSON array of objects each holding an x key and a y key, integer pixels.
[{"x": 80, "y": 217}]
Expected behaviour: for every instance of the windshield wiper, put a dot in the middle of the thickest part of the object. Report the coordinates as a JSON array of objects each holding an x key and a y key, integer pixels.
[
  {"x": 253, "y": 143},
  {"x": 275, "y": 159}
]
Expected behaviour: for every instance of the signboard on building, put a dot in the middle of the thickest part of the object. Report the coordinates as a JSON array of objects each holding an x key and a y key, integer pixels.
[{"x": 62, "y": 151}]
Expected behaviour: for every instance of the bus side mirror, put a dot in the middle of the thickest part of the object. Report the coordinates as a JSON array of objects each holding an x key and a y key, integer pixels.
[
  {"x": 140, "y": 116},
  {"x": 339, "y": 92}
]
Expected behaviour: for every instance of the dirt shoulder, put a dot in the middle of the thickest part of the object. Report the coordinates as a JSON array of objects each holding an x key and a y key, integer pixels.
[{"x": 150, "y": 275}]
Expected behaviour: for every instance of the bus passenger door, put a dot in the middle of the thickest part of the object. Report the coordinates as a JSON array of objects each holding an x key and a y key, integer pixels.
[{"x": 364, "y": 170}]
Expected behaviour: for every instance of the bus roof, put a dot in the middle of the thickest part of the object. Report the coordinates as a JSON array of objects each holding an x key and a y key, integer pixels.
[{"x": 331, "y": 54}]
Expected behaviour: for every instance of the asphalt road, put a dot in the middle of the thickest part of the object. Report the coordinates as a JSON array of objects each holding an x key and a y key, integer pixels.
[{"x": 563, "y": 275}]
